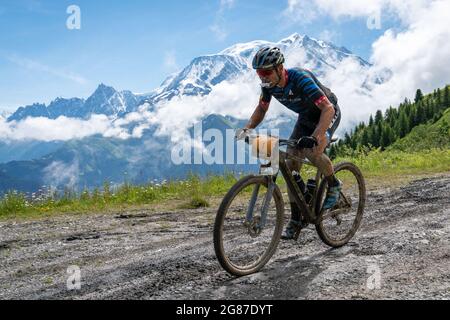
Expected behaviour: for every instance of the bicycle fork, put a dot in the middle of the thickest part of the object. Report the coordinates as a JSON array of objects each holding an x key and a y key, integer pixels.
[{"x": 256, "y": 224}]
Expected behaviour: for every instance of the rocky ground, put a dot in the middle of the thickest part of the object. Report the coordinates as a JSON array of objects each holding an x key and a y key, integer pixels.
[{"x": 402, "y": 251}]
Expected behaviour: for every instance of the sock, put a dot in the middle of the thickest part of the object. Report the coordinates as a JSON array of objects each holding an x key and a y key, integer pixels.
[
  {"x": 332, "y": 181},
  {"x": 295, "y": 212}
]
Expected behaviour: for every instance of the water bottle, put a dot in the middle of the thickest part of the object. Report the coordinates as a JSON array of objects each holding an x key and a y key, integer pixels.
[
  {"x": 310, "y": 189},
  {"x": 299, "y": 181}
]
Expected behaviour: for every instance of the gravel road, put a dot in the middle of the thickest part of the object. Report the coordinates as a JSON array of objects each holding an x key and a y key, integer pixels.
[{"x": 402, "y": 251}]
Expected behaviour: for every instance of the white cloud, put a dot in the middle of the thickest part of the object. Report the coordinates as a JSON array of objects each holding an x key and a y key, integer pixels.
[
  {"x": 60, "y": 173},
  {"x": 218, "y": 27},
  {"x": 328, "y": 35},
  {"x": 219, "y": 31},
  {"x": 226, "y": 4},
  {"x": 170, "y": 61},
  {"x": 417, "y": 55},
  {"x": 300, "y": 11},
  {"x": 308, "y": 11},
  {"x": 37, "y": 66},
  {"x": 63, "y": 128},
  {"x": 236, "y": 97}
]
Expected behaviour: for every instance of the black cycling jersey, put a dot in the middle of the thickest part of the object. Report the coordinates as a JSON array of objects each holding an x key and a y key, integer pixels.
[{"x": 300, "y": 94}]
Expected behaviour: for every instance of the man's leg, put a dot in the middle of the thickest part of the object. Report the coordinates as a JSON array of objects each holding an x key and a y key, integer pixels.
[
  {"x": 321, "y": 160},
  {"x": 325, "y": 166},
  {"x": 296, "y": 165}
]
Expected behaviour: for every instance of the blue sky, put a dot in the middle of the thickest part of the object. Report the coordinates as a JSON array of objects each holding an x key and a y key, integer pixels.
[{"x": 135, "y": 44}]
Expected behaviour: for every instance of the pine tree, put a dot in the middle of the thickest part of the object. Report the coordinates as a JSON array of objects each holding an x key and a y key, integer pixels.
[
  {"x": 434, "y": 106},
  {"x": 375, "y": 137},
  {"x": 420, "y": 116},
  {"x": 439, "y": 99},
  {"x": 365, "y": 138},
  {"x": 380, "y": 134},
  {"x": 354, "y": 141},
  {"x": 403, "y": 127},
  {"x": 391, "y": 116},
  {"x": 428, "y": 110},
  {"x": 362, "y": 126},
  {"x": 413, "y": 119},
  {"x": 384, "y": 140},
  {"x": 370, "y": 121},
  {"x": 378, "y": 117},
  {"x": 446, "y": 97},
  {"x": 392, "y": 136},
  {"x": 347, "y": 139},
  {"x": 419, "y": 96},
  {"x": 333, "y": 152},
  {"x": 408, "y": 108}
]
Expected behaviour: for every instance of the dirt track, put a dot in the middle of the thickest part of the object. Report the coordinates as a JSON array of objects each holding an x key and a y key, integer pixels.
[{"x": 404, "y": 237}]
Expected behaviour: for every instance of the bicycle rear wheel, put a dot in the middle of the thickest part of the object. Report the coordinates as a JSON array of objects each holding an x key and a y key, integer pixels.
[
  {"x": 339, "y": 224},
  {"x": 240, "y": 246}
]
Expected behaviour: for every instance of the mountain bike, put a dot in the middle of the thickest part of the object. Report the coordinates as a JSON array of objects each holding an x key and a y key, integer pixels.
[{"x": 250, "y": 219}]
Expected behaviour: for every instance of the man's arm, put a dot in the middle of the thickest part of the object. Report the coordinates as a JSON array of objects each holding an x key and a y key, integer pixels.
[
  {"x": 313, "y": 92},
  {"x": 326, "y": 116},
  {"x": 258, "y": 116}
]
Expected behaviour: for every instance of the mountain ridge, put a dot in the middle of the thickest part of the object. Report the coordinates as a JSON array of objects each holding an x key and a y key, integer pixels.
[
  {"x": 95, "y": 159},
  {"x": 196, "y": 79}
]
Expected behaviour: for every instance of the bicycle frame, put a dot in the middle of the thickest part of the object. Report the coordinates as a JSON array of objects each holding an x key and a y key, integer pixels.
[
  {"x": 299, "y": 199},
  {"x": 295, "y": 190}
]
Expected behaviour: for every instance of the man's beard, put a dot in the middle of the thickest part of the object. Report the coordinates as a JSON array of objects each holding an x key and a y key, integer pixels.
[
  {"x": 270, "y": 85},
  {"x": 267, "y": 85}
]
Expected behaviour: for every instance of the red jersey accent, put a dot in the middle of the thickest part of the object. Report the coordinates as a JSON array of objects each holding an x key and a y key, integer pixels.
[
  {"x": 264, "y": 105},
  {"x": 320, "y": 100}
]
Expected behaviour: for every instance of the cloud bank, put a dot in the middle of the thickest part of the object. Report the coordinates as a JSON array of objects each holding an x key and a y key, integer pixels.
[{"x": 417, "y": 55}]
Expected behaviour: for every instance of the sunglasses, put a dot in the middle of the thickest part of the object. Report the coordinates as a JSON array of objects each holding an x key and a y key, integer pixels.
[{"x": 264, "y": 73}]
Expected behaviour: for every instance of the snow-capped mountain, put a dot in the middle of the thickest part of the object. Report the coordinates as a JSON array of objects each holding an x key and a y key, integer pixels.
[
  {"x": 196, "y": 79},
  {"x": 204, "y": 72},
  {"x": 4, "y": 114},
  {"x": 66, "y": 107},
  {"x": 200, "y": 76},
  {"x": 105, "y": 100},
  {"x": 98, "y": 158},
  {"x": 34, "y": 110},
  {"x": 318, "y": 53}
]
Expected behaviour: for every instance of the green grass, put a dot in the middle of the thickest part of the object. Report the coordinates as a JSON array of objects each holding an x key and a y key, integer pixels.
[
  {"x": 376, "y": 166},
  {"x": 396, "y": 162},
  {"x": 197, "y": 201},
  {"x": 193, "y": 193},
  {"x": 426, "y": 136},
  {"x": 380, "y": 167}
]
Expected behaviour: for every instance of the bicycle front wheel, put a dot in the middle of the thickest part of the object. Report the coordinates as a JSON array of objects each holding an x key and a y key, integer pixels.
[
  {"x": 245, "y": 240},
  {"x": 339, "y": 224}
]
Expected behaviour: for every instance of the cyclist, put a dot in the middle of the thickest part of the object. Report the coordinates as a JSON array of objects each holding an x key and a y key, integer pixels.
[{"x": 318, "y": 117}]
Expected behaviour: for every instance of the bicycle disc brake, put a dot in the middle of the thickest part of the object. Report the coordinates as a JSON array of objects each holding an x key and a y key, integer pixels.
[
  {"x": 254, "y": 227},
  {"x": 343, "y": 206}
]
